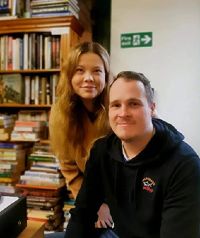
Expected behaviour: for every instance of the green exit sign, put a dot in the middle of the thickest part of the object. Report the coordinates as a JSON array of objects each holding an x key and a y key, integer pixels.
[{"x": 139, "y": 39}]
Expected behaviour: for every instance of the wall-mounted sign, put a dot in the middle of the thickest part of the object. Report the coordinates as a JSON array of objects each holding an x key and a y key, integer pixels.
[{"x": 139, "y": 39}]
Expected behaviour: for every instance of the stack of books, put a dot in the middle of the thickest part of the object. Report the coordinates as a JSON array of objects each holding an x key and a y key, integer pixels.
[
  {"x": 10, "y": 9},
  {"x": 12, "y": 165},
  {"x": 5, "y": 8},
  {"x": 44, "y": 186},
  {"x": 28, "y": 130},
  {"x": 46, "y": 8}
]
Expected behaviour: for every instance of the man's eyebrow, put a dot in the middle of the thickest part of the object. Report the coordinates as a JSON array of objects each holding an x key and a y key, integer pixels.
[
  {"x": 134, "y": 99},
  {"x": 114, "y": 101},
  {"x": 127, "y": 100}
]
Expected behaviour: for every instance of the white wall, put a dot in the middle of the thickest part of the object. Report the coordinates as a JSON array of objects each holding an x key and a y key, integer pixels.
[{"x": 173, "y": 62}]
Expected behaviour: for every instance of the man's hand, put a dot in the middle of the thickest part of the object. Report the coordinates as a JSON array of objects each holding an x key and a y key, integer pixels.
[{"x": 104, "y": 217}]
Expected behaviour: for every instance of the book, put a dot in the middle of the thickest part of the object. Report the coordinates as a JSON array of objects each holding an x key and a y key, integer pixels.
[
  {"x": 44, "y": 206},
  {"x": 9, "y": 17},
  {"x": 11, "y": 88},
  {"x": 46, "y": 156},
  {"x": 25, "y": 51},
  {"x": 25, "y": 136},
  {"x": 48, "y": 201},
  {"x": 10, "y": 53},
  {"x": 29, "y": 123},
  {"x": 8, "y": 180},
  {"x": 9, "y": 145},
  {"x": 7, "y": 121},
  {"x": 38, "y": 180},
  {"x": 41, "y": 174},
  {"x": 5, "y": 129},
  {"x": 33, "y": 115},
  {"x": 27, "y": 9},
  {"x": 42, "y": 192},
  {"x": 27, "y": 128},
  {"x": 6, "y": 188},
  {"x": 53, "y": 14},
  {"x": 51, "y": 2},
  {"x": 4, "y": 136},
  {"x": 40, "y": 187},
  {"x": 27, "y": 80}
]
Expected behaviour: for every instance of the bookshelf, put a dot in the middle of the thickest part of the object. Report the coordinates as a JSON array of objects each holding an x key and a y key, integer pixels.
[
  {"x": 23, "y": 43},
  {"x": 23, "y": 34}
]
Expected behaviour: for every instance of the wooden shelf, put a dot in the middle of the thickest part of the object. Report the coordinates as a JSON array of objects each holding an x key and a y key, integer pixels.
[
  {"x": 67, "y": 30},
  {"x": 48, "y": 24},
  {"x": 34, "y": 229},
  {"x": 30, "y": 71},
  {"x": 15, "y": 105}
]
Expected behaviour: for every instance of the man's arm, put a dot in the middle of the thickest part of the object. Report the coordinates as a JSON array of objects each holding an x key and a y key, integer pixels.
[{"x": 181, "y": 209}]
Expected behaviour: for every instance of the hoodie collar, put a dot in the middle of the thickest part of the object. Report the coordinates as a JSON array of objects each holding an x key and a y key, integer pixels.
[{"x": 166, "y": 138}]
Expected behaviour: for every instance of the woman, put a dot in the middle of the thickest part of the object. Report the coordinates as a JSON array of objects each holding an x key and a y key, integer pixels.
[{"x": 79, "y": 115}]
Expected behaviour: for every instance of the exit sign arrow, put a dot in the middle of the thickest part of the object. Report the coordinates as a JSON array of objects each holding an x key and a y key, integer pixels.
[
  {"x": 146, "y": 39},
  {"x": 139, "y": 39}
]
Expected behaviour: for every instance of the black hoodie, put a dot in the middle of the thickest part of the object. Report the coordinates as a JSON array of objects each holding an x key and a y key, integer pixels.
[{"x": 154, "y": 195}]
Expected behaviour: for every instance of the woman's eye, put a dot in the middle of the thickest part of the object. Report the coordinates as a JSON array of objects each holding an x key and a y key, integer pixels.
[
  {"x": 79, "y": 70},
  {"x": 98, "y": 71}
]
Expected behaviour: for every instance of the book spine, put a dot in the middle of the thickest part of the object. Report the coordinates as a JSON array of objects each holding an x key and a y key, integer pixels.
[
  {"x": 29, "y": 123},
  {"x": 25, "y": 51},
  {"x": 47, "y": 2},
  {"x": 10, "y": 53},
  {"x": 27, "y": 80},
  {"x": 41, "y": 174},
  {"x": 36, "y": 90},
  {"x": 52, "y": 9}
]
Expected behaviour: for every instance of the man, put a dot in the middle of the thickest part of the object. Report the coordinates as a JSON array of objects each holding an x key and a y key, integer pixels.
[{"x": 149, "y": 176}]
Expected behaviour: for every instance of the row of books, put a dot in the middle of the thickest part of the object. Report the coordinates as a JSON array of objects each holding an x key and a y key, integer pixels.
[
  {"x": 29, "y": 51},
  {"x": 27, "y": 89}
]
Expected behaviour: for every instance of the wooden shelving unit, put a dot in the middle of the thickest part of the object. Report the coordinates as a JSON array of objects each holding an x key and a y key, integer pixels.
[{"x": 67, "y": 29}]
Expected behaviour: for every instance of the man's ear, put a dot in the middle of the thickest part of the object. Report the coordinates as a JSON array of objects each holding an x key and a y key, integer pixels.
[{"x": 153, "y": 110}]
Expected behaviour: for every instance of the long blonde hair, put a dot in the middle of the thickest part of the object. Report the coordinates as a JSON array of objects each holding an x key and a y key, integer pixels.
[{"x": 67, "y": 114}]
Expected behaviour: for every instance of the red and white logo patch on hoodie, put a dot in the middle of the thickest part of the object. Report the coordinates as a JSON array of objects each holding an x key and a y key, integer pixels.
[{"x": 148, "y": 184}]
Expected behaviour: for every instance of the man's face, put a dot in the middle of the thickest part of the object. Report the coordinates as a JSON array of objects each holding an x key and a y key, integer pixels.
[{"x": 130, "y": 114}]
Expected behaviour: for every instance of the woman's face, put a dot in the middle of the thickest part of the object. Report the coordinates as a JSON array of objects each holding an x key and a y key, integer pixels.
[{"x": 88, "y": 80}]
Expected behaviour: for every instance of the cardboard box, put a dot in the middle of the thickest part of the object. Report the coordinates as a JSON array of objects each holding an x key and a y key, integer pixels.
[{"x": 13, "y": 216}]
